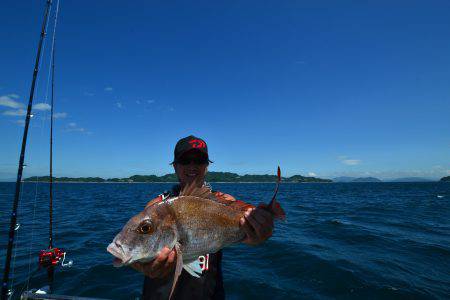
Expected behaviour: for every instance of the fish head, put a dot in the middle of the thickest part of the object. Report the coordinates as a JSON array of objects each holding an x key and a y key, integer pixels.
[{"x": 143, "y": 236}]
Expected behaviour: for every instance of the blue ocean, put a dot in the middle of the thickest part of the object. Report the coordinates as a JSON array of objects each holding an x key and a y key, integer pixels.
[{"x": 339, "y": 240}]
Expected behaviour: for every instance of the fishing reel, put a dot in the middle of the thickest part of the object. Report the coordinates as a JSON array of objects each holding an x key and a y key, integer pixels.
[{"x": 52, "y": 257}]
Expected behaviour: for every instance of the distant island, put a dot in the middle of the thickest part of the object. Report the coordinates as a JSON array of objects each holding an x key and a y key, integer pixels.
[
  {"x": 356, "y": 179},
  {"x": 366, "y": 179},
  {"x": 210, "y": 177},
  {"x": 445, "y": 179},
  {"x": 374, "y": 179},
  {"x": 411, "y": 179},
  {"x": 228, "y": 177}
]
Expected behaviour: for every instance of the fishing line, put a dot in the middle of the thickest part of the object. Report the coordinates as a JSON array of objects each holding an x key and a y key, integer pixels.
[
  {"x": 14, "y": 256},
  {"x": 26, "y": 285},
  {"x": 32, "y": 234},
  {"x": 33, "y": 222},
  {"x": 13, "y": 272},
  {"x": 52, "y": 51}
]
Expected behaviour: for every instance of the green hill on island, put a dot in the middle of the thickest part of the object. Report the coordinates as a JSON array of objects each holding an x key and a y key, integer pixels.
[
  {"x": 355, "y": 179},
  {"x": 366, "y": 179},
  {"x": 445, "y": 179},
  {"x": 210, "y": 177}
]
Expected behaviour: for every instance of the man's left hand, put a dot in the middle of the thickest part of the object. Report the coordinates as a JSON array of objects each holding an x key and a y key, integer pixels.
[{"x": 257, "y": 224}]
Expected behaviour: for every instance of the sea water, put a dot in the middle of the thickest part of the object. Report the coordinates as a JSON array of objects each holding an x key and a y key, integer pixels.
[{"x": 339, "y": 240}]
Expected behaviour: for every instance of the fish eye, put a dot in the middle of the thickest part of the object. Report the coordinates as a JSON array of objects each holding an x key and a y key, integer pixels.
[{"x": 145, "y": 227}]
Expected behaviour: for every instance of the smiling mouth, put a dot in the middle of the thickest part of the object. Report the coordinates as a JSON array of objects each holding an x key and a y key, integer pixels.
[{"x": 192, "y": 173}]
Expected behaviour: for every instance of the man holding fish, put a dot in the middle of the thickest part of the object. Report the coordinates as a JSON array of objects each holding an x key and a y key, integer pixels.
[{"x": 184, "y": 230}]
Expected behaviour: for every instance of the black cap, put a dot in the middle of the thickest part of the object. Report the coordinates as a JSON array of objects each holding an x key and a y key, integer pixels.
[{"x": 190, "y": 143}]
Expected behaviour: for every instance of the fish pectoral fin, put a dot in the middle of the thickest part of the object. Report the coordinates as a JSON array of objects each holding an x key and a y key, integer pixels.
[
  {"x": 178, "y": 268},
  {"x": 194, "y": 268}
]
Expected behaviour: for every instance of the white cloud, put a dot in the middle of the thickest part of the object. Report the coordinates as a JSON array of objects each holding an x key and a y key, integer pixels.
[
  {"x": 59, "y": 115},
  {"x": 41, "y": 106},
  {"x": 88, "y": 94},
  {"x": 7, "y": 100},
  {"x": 108, "y": 89},
  {"x": 79, "y": 129},
  {"x": 138, "y": 102},
  {"x": 119, "y": 105},
  {"x": 312, "y": 174},
  {"x": 73, "y": 127},
  {"x": 16, "y": 113},
  {"x": 170, "y": 108},
  {"x": 150, "y": 101},
  {"x": 350, "y": 162}
]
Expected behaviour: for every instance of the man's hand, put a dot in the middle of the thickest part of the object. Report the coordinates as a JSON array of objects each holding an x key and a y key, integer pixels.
[
  {"x": 257, "y": 224},
  {"x": 161, "y": 266}
]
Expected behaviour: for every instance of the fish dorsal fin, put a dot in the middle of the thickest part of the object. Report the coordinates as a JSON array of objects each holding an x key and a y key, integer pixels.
[
  {"x": 192, "y": 190},
  {"x": 230, "y": 201},
  {"x": 154, "y": 201},
  {"x": 218, "y": 197}
]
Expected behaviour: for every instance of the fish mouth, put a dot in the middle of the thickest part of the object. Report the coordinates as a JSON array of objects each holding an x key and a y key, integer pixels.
[
  {"x": 117, "y": 262},
  {"x": 119, "y": 257}
]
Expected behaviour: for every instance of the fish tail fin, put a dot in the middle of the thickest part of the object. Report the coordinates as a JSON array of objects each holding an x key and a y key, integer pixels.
[{"x": 274, "y": 206}]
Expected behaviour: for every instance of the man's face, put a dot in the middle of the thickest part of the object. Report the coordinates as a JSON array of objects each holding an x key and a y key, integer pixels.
[{"x": 191, "y": 167}]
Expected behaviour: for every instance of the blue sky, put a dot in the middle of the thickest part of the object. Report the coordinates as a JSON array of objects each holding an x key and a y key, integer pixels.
[{"x": 324, "y": 88}]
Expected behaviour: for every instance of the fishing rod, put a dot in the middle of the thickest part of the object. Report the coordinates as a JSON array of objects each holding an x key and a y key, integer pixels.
[
  {"x": 50, "y": 243},
  {"x": 50, "y": 270},
  {"x": 21, "y": 160}
]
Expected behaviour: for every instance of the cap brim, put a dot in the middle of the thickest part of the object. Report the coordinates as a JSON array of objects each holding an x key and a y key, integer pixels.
[
  {"x": 189, "y": 150},
  {"x": 210, "y": 161}
]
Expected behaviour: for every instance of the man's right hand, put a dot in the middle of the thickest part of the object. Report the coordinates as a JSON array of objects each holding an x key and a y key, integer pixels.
[{"x": 161, "y": 266}]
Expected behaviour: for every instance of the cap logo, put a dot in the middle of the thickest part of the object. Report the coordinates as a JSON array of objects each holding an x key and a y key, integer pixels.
[{"x": 197, "y": 143}]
